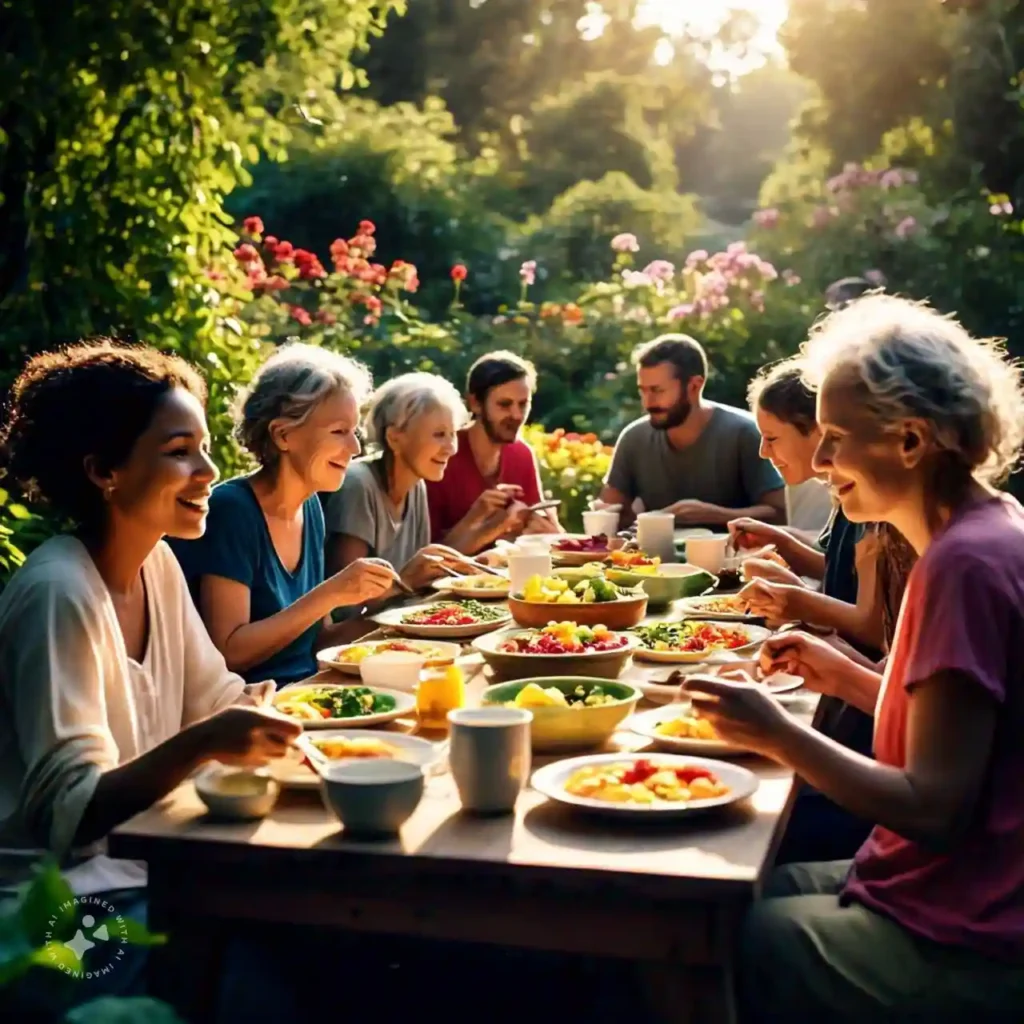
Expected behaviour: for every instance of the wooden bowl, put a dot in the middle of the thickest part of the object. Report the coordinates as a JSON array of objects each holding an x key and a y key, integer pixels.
[{"x": 618, "y": 615}]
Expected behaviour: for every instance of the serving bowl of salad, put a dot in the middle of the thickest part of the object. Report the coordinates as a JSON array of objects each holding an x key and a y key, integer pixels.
[
  {"x": 592, "y": 601},
  {"x": 569, "y": 712},
  {"x": 325, "y": 706},
  {"x": 557, "y": 649}
]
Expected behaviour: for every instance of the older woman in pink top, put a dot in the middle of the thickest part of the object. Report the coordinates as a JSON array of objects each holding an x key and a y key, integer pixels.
[{"x": 927, "y": 922}]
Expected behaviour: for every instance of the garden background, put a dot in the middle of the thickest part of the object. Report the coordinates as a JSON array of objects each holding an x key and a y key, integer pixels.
[{"x": 563, "y": 178}]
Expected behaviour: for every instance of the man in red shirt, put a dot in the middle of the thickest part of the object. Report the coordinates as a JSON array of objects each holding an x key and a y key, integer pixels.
[{"x": 494, "y": 477}]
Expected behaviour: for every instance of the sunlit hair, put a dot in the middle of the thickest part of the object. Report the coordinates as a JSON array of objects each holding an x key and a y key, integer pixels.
[
  {"x": 910, "y": 362},
  {"x": 289, "y": 386},
  {"x": 401, "y": 402},
  {"x": 782, "y": 392}
]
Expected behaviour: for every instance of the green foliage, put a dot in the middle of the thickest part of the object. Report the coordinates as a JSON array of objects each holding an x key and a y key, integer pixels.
[
  {"x": 112, "y": 1010},
  {"x": 571, "y": 240}
]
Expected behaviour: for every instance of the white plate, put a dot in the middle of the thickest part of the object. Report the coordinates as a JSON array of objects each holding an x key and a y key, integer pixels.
[
  {"x": 699, "y": 606},
  {"x": 460, "y": 586},
  {"x": 330, "y": 656},
  {"x": 777, "y": 684},
  {"x": 646, "y": 722},
  {"x": 292, "y": 772},
  {"x": 392, "y": 618},
  {"x": 404, "y": 703},
  {"x": 550, "y": 781},
  {"x": 489, "y": 645},
  {"x": 757, "y": 634}
]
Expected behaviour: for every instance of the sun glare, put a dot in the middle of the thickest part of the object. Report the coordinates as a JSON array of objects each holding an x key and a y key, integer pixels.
[{"x": 705, "y": 17}]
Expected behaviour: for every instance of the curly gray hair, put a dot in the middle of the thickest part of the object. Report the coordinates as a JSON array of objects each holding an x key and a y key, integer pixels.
[
  {"x": 911, "y": 362},
  {"x": 289, "y": 386},
  {"x": 402, "y": 401}
]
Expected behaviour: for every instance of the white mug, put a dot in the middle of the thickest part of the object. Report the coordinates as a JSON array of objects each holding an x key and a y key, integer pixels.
[
  {"x": 655, "y": 533},
  {"x": 707, "y": 552},
  {"x": 526, "y": 560},
  {"x": 597, "y": 522},
  {"x": 490, "y": 756}
]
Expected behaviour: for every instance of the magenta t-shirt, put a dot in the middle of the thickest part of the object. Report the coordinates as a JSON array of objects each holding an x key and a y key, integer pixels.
[
  {"x": 452, "y": 497},
  {"x": 963, "y": 610}
]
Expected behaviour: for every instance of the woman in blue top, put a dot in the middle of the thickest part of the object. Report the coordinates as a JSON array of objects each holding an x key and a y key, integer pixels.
[
  {"x": 859, "y": 583},
  {"x": 257, "y": 575}
]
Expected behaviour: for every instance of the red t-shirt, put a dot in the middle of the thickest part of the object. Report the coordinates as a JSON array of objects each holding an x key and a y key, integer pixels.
[
  {"x": 451, "y": 498},
  {"x": 963, "y": 610}
]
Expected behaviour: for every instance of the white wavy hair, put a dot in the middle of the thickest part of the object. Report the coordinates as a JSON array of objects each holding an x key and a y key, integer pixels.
[
  {"x": 290, "y": 385},
  {"x": 402, "y": 401},
  {"x": 911, "y": 362}
]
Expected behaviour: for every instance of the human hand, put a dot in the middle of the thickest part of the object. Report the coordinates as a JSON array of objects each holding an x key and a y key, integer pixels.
[
  {"x": 777, "y": 602},
  {"x": 741, "y": 711},
  {"x": 429, "y": 564},
  {"x": 817, "y": 662},
  {"x": 493, "y": 500},
  {"x": 257, "y": 695},
  {"x": 690, "y": 512},
  {"x": 541, "y": 522},
  {"x": 752, "y": 533},
  {"x": 247, "y": 737},
  {"x": 769, "y": 569},
  {"x": 362, "y": 581}
]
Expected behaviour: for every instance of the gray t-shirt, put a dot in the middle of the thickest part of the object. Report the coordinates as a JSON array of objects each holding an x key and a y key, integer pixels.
[
  {"x": 722, "y": 467},
  {"x": 362, "y": 509}
]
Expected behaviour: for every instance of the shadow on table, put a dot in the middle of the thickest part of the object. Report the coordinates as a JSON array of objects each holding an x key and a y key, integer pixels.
[{"x": 467, "y": 836}]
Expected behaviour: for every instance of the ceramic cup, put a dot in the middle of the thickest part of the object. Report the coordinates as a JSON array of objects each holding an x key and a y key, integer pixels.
[
  {"x": 598, "y": 522},
  {"x": 655, "y": 533},
  {"x": 490, "y": 757},
  {"x": 394, "y": 670},
  {"x": 526, "y": 560},
  {"x": 707, "y": 552}
]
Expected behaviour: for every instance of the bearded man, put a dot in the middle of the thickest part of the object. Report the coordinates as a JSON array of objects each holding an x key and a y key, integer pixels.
[
  {"x": 695, "y": 458},
  {"x": 493, "y": 478}
]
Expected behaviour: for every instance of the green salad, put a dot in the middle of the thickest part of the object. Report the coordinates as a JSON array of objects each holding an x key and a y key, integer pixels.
[{"x": 310, "y": 703}]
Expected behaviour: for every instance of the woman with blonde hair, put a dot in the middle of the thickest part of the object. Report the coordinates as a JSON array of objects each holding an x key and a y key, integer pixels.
[
  {"x": 258, "y": 573},
  {"x": 918, "y": 421},
  {"x": 381, "y": 511}
]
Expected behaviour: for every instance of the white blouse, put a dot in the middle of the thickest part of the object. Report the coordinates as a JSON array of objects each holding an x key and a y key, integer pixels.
[{"x": 74, "y": 705}]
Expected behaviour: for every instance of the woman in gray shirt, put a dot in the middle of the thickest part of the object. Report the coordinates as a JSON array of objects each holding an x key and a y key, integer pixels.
[{"x": 381, "y": 509}]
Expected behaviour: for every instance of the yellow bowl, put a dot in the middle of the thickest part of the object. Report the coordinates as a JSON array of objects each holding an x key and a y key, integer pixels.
[{"x": 567, "y": 728}]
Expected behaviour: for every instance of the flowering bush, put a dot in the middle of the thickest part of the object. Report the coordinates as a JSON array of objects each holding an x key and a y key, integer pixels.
[{"x": 572, "y": 468}]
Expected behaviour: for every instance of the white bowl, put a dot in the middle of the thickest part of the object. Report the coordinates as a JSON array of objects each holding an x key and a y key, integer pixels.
[
  {"x": 372, "y": 798},
  {"x": 396, "y": 670},
  {"x": 237, "y": 793}
]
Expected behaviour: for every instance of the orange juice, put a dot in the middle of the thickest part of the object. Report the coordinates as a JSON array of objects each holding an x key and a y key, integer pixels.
[{"x": 439, "y": 692}]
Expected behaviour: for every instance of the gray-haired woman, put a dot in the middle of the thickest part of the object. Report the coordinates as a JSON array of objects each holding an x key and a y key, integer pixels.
[
  {"x": 381, "y": 510},
  {"x": 257, "y": 575}
]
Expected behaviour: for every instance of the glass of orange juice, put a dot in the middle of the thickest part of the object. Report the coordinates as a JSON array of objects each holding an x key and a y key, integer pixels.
[{"x": 439, "y": 691}]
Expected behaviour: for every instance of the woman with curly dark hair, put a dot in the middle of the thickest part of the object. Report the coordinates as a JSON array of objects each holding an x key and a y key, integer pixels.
[{"x": 112, "y": 692}]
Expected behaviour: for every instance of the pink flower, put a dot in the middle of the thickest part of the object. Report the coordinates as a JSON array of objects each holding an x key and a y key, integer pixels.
[
  {"x": 767, "y": 270},
  {"x": 253, "y": 226},
  {"x": 660, "y": 270},
  {"x": 528, "y": 272},
  {"x": 735, "y": 248},
  {"x": 906, "y": 227},
  {"x": 821, "y": 216},
  {"x": 625, "y": 243},
  {"x": 301, "y": 315},
  {"x": 1001, "y": 208},
  {"x": 636, "y": 279},
  {"x": 892, "y": 178},
  {"x": 790, "y": 278},
  {"x": 681, "y": 312},
  {"x": 767, "y": 218},
  {"x": 757, "y": 301},
  {"x": 696, "y": 257},
  {"x": 245, "y": 253}
]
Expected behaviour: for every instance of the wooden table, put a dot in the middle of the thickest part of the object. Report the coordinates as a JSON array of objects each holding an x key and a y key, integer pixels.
[{"x": 670, "y": 895}]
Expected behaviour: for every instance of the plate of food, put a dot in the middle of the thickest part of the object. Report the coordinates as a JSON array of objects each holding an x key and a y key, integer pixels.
[
  {"x": 677, "y": 728},
  {"x": 325, "y": 706},
  {"x": 666, "y": 690},
  {"x": 482, "y": 586},
  {"x": 694, "y": 640},
  {"x": 557, "y": 649},
  {"x": 349, "y": 657},
  {"x": 443, "y": 619},
  {"x": 591, "y": 601},
  {"x": 570, "y": 550},
  {"x": 296, "y": 770},
  {"x": 724, "y": 607},
  {"x": 644, "y": 786}
]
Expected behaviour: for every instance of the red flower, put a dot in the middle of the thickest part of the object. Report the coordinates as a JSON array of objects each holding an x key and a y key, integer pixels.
[
  {"x": 270, "y": 242},
  {"x": 325, "y": 317},
  {"x": 459, "y": 273},
  {"x": 253, "y": 226},
  {"x": 339, "y": 247},
  {"x": 342, "y": 264},
  {"x": 364, "y": 244},
  {"x": 310, "y": 271},
  {"x": 298, "y": 313},
  {"x": 283, "y": 251},
  {"x": 412, "y": 283},
  {"x": 367, "y": 227},
  {"x": 406, "y": 275},
  {"x": 277, "y": 283},
  {"x": 572, "y": 314},
  {"x": 247, "y": 254}
]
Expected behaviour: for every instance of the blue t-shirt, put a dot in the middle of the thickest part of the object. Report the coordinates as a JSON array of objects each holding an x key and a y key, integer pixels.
[
  {"x": 839, "y": 540},
  {"x": 237, "y": 546}
]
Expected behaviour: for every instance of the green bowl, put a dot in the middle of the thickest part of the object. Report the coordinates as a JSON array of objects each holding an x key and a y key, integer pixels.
[
  {"x": 565, "y": 728},
  {"x": 663, "y": 590}
]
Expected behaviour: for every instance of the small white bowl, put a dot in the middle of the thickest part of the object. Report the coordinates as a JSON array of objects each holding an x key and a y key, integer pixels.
[
  {"x": 372, "y": 798},
  {"x": 238, "y": 793},
  {"x": 395, "y": 670}
]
